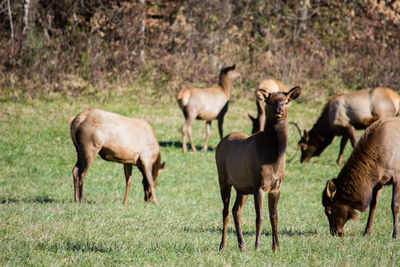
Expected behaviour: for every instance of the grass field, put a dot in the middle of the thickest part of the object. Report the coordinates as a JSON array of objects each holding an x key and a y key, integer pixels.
[{"x": 41, "y": 225}]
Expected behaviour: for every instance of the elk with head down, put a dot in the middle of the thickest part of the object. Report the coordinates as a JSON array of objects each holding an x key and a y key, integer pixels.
[
  {"x": 271, "y": 86},
  {"x": 206, "y": 104},
  {"x": 374, "y": 163},
  {"x": 345, "y": 113},
  {"x": 255, "y": 165},
  {"x": 129, "y": 141}
]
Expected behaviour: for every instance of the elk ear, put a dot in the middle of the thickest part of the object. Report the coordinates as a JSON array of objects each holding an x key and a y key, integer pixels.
[
  {"x": 330, "y": 189},
  {"x": 262, "y": 95},
  {"x": 294, "y": 93},
  {"x": 162, "y": 167},
  {"x": 251, "y": 117},
  {"x": 306, "y": 137}
]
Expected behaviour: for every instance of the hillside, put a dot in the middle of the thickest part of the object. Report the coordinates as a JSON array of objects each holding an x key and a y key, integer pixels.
[{"x": 83, "y": 47}]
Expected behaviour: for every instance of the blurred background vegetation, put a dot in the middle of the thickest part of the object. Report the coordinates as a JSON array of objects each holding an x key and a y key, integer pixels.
[{"x": 156, "y": 47}]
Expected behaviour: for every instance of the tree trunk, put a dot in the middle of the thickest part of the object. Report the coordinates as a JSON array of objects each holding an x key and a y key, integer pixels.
[
  {"x": 142, "y": 30},
  {"x": 26, "y": 17},
  {"x": 11, "y": 26}
]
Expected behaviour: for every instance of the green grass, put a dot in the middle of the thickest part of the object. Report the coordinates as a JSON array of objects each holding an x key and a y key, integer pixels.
[{"x": 41, "y": 225}]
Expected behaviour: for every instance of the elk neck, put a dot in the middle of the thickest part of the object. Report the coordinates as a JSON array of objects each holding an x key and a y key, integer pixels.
[
  {"x": 226, "y": 84},
  {"x": 275, "y": 137},
  {"x": 353, "y": 184}
]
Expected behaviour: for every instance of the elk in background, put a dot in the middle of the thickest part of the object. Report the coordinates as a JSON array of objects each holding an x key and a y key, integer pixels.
[
  {"x": 255, "y": 165},
  {"x": 129, "y": 141},
  {"x": 345, "y": 113},
  {"x": 374, "y": 163},
  {"x": 206, "y": 104},
  {"x": 271, "y": 86}
]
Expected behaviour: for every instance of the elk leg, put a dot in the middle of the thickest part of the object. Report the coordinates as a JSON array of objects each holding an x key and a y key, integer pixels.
[
  {"x": 273, "y": 198},
  {"x": 220, "y": 126},
  {"x": 187, "y": 130},
  {"x": 352, "y": 134},
  {"x": 89, "y": 157},
  {"x": 148, "y": 184},
  {"x": 85, "y": 159},
  {"x": 343, "y": 143},
  {"x": 376, "y": 192},
  {"x": 258, "y": 203},
  {"x": 128, "y": 180},
  {"x": 237, "y": 217},
  {"x": 225, "y": 195},
  {"x": 76, "y": 173},
  {"x": 395, "y": 209},
  {"x": 184, "y": 133},
  {"x": 208, "y": 131}
]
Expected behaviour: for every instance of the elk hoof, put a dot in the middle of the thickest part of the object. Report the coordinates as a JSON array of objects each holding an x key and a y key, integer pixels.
[
  {"x": 367, "y": 233},
  {"x": 276, "y": 248}
]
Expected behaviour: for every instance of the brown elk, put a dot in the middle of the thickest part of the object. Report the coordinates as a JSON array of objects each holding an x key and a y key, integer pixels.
[
  {"x": 116, "y": 138},
  {"x": 271, "y": 86},
  {"x": 374, "y": 163},
  {"x": 206, "y": 104},
  {"x": 345, "y": 113},
  {"x": 255, "y": 165}
]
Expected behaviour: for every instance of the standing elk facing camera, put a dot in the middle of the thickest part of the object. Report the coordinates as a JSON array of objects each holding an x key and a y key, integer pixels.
[
  {"x": 271, "y": 86},
  {"x": 374, "y": 163},
  {"x": 129, "y": 141},
  {"x": 206, "y": 104},
  {"x": 345, "y": 113},
  {"x": 255, "y": 165}
]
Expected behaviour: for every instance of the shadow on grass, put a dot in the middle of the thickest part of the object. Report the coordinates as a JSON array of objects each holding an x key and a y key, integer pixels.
[
  {"x": 79, "y": 246},
  {"x": 38, "y": 199},
  {"x": 231, "y": 231},
  {"x": 178, "y": 144}
]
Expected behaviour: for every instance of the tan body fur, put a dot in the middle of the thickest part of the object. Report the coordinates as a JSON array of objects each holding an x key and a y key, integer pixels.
[
  {"x": 374, "y": 163},
  {"x": 206, "y": 104},
  {"x": 271, "y": 86},
  {"x": 345, "y": 113},
  {"x": 116, "y": 138},
  {"x": 255, "y": 165}
]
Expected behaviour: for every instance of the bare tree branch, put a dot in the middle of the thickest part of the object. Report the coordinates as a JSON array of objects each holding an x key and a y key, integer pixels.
[{"x": 11, "y": 24}]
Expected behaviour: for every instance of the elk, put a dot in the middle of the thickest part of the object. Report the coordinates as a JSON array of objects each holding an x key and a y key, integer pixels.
[
  {"x": 116, "y": 138},
  {"x": 345, "y": 113},
  {"x": 255, "y": 165},
  {"x": 206, "y": 104},
  {"x": 374, "y": 163},
  {"x": 271, "y": 86}
]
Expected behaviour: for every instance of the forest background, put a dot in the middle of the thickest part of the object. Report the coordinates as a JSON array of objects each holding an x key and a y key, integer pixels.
[{"x": 156, "y": 47}]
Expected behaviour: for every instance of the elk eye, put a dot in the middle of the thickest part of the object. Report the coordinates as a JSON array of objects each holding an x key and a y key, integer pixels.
[{"x": 328, "y": 212}]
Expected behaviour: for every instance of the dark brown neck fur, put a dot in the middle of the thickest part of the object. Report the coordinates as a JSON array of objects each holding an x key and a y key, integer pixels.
[
  {"x": 358, "y": 177},
  {"x": 321, "y": 135},
  {"x": 275, "y": 138}
]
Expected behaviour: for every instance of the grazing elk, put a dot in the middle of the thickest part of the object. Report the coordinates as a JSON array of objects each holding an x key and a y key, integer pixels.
[
  {"x": 374, "y": 163},
  {"x": 129, "y": 141},
  {"x": 345, "y": 113},
  {"x": 271, "y": 86},
  {"x": 255, "y": 165},
  {"x": 206, "y": 104}
]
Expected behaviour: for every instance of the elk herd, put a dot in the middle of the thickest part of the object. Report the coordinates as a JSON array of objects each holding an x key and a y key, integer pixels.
[{"x": 255, "y": 165}]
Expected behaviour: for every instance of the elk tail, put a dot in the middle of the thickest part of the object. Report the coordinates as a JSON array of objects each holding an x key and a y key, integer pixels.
[{"x": 183, "y": 98}]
